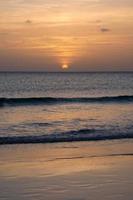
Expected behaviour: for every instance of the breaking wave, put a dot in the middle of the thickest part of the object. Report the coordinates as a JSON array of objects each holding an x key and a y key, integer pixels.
[
  {"x": 71, "y": 136},
  {"x": 52, "y": 100}
]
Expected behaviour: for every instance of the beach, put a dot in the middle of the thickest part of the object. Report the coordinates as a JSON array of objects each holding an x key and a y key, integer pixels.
[{"x": 68, "y": 171}]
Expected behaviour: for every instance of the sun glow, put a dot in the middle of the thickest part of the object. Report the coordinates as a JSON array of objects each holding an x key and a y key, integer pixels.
[{"x": 65, "y": 66}]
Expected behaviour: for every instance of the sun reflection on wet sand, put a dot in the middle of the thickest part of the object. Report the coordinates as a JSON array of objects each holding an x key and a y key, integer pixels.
[
  {"x": 60, "y": 159},
  {"x": 67, "y": 171}
]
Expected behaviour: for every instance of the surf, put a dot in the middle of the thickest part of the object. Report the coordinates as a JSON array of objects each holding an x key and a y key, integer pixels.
[
  {"x": 62, "y": 100},
  {"x": 70, "y": 136}
]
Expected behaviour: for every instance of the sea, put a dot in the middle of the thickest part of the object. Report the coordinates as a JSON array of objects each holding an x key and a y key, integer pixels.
[{"x": 43, "y": 107}]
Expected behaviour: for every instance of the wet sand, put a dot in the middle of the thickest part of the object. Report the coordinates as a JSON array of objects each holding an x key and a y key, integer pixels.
[{"x": 67, "y": 171}]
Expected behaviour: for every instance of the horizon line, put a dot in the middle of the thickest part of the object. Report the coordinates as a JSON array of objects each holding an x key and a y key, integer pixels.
[{"x": 39, "y": 71}]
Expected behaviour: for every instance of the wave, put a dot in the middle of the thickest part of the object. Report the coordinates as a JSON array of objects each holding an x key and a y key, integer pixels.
[
  {"x": 52, "y": 100},
  {"x": 71, "y": 136}
]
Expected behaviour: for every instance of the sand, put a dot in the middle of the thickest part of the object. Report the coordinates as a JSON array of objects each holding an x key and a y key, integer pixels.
[{"x": 67, "y": 171}]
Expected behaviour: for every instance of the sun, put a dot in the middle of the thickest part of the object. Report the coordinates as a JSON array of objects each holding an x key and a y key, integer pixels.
[{"x": 65, "y": 66}]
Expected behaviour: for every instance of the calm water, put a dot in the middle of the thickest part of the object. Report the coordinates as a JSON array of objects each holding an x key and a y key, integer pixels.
[{"x": 41, "y": 107}]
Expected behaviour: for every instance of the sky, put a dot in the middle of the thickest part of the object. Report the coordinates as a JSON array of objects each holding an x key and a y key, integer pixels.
[{"x": 81, "y": 35}]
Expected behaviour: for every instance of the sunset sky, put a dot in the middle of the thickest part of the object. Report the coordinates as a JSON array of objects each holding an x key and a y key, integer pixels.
[{"x": 81, "y": 35}]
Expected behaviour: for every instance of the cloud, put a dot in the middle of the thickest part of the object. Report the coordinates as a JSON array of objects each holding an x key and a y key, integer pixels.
[
  {"x": 28, "y": 21},
  {"x": 103, "y": 30}
]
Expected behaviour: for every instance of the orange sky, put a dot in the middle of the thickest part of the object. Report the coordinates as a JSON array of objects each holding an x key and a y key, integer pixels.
[{"x": 86, "y": 35}]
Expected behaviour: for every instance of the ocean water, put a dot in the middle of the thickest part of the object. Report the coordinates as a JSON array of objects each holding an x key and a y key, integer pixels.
[{"x": 58, "y": 107}]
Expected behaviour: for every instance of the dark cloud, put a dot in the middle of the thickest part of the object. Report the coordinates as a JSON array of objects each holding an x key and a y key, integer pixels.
[
  {"x": 28, "y": 21},
  {"x": 103, "y": 30}
]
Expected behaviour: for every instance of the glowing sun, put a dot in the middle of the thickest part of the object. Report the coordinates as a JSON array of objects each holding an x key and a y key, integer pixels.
[{"x": 65, "y": 66}]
